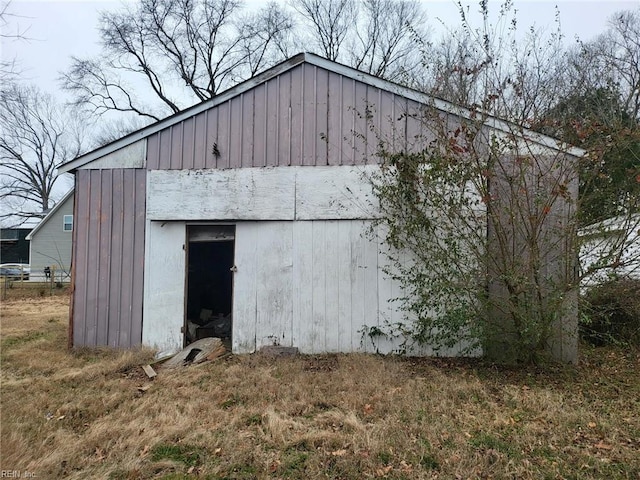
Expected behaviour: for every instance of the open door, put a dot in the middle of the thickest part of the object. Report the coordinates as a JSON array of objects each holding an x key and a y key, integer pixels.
[{"x": 210, "y": 259}]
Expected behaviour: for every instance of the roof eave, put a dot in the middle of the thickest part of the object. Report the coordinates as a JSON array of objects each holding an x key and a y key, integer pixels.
[
  {"x": 144, "y": 132},
  {"x": 45, "y": 219}
]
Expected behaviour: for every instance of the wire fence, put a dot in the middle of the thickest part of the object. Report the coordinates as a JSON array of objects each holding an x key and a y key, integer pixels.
[{"x": 47, "y": 282}]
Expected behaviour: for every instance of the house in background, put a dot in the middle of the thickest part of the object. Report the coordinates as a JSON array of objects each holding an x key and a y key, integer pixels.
[
  {"x": 51, "y": 242},
  {"x": 14, "y": 245},
  {"x": 614, "y": 242},
  {"x": 253, "y": 206}
]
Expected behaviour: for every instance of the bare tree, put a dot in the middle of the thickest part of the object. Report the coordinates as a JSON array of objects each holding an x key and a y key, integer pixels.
[
  {"x": 110, "y": 130},
  {"x": 494, "y": 67},
  {"x": 376, "y": 36},
  {"x": 182, "y": 51},
  {"x": 37, "y": 137},
  {"x": 612, "y": 60},
  {"x": 599, "y": 110},
  {"x": 267, "y": 36},
  {"x": 329, "y": 23},
  {"x": 9, "y": 32},
  {"x": 384, "y": 42}
]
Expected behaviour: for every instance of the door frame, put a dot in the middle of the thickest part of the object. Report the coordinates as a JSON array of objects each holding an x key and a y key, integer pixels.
[{"x": 227, "y": 232}]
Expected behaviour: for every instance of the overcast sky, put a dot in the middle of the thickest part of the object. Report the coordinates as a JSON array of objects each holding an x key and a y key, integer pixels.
[{"x": 56, "y": 30}]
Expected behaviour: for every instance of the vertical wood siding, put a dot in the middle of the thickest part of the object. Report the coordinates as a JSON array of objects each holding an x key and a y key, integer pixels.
[
  {"x": 164, "y": 292},
  {"x": 305, "y": 116},
  {"x": 312, "y": 285},
  {"x": 109, "y": 257}
]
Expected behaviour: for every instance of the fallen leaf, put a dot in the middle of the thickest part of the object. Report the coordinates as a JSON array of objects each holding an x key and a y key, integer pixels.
[
  {"x": 603, "y": 446},
  {"x": 405, "y": 467},
  {"x": 100, "y": 454},
  {"x": 381, "y": 472},
  {"x": 339, "y": 453},
  {"x": 591, "y": 425},
  {"x": 273, "y": 468},
  {"x": 217, "y": 450}
]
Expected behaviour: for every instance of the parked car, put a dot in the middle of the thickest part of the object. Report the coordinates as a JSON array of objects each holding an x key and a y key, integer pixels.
[{"x": 15, "y": 270}]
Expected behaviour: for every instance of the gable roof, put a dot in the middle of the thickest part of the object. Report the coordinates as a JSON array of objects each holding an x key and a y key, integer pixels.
[
  {"x": 50, "y": 214},
  {"x": 312, "y": 59}
]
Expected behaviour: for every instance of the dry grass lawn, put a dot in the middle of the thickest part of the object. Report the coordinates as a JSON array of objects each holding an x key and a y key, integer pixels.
[{"x": 94, "y": 414}]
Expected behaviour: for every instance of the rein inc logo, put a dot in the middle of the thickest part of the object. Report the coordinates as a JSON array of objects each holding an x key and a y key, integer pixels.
[{"x": 17, "y": 474}]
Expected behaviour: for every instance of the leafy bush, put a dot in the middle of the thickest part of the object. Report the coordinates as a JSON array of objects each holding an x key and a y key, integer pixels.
[{"x": 611, "y": 313}]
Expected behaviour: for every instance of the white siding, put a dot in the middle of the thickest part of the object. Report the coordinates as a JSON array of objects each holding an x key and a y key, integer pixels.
[
  {"x": 603, "y": 247},
  {"x": 314, "y": 285},
  {"x": 309, "y": 284},
  {"x": 270, "y": 193},
  {"x": 310, "y": 262},
  {"x": 163, "y": 310}
]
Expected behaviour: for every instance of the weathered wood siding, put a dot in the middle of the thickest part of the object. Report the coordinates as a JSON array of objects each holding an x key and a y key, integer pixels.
[
  {"x": 530, "y": 219},
  {"x": 316, "y": 285},
  {"x": 310, "y": 284},
  {"x": 165, "y": 288},
  {"x": 108, "y": 257},
  {"x": 305, "y": 116},
  {"x": 268, "y": 193}
]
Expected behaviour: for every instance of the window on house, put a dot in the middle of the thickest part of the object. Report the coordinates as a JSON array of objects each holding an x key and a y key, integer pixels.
[
  {"x": 8, "y": 235},
  {"x": 67, "y": 223}
]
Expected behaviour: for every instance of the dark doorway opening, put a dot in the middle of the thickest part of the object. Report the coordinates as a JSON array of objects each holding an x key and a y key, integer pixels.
[{"x": 209, "y": 283}]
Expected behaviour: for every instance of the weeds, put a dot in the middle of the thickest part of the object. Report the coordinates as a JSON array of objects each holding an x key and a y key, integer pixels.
[
  {"x": 22, "y": 339},
  {"x": 81, "y": 414},
  {"x": 189, "y": 455}
]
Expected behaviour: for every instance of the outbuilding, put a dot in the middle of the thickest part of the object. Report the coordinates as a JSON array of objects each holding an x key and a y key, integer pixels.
[{"x": 250, "y": 213}]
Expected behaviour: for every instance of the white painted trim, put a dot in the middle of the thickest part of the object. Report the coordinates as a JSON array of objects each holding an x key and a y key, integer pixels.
[
  {"x": 50, "y": 214},
  {"x": 64, "y": 223},
  {"x": 130, "y": 156},
  {"x": 340, "y": 69},
  {"x": 271, "y": 193}
]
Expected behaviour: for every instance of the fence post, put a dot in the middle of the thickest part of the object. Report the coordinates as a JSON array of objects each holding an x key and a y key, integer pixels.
[{"x": 51, "y": 278}]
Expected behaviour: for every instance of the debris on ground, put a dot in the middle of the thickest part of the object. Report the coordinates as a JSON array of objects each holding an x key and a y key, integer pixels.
[
  {"x": 151, "y": 373},
  {"x": 197, "y": 352},
  {"x": 279, "y": 351}
]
